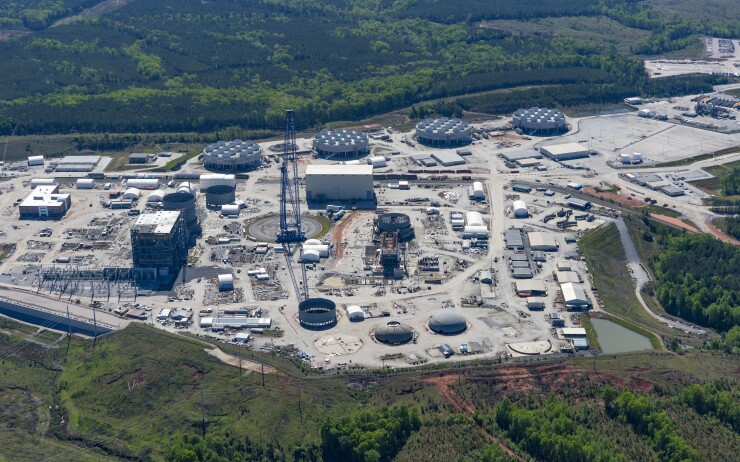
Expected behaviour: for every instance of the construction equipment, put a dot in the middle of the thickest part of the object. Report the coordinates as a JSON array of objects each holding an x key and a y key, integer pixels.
[{"x": 290, "y": 220}]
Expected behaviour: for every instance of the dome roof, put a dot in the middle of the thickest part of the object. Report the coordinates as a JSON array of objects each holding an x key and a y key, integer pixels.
[
  {"x": 447, "y": 323},
  {"x": 394, "y": 333}
]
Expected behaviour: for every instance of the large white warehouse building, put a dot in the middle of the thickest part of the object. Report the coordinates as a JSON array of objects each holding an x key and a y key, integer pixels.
[
  {"x": 443, "y": 132},
  {"x": 232, "y": 155},
  {"x": 341, "y": 143},
  {"x": 339, "y": 183}
]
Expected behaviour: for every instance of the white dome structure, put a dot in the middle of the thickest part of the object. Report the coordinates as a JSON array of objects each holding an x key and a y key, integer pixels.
[
  {"x": 156, "y": 196},
  {"x": 444, "y": 132},
  {"x": 341, "y": 143},
  {"x": 234, "y": 155},
  {"x": 520, "y": 209},
  {"x": 355, "y": 313},
  {"x": 310, "y": 256},
  {"x": 537, "y": 120},
  {"x": 131, "y": 194}
]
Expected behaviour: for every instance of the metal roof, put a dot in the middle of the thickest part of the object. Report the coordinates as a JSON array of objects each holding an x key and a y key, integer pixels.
[
  {"x": 339, "y": 170},
  {"x": 573, "y": 294},
  {"x": 160, "y": 222}
]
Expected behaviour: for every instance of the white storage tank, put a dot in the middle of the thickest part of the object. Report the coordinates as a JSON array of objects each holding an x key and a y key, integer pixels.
[
  {"x": 312, "y": 242},
  {"x": 478, "y": 191},
  {"x": 35, "y": 160},
  {"x": 520, "y": 209},
  {"x": 636, "y": 157},
  {"x": 85, "y": 183},
  {"x": 230, "y": 210},
  {"x": 156, "y": 196},
  {"x": 624, "y": 158},
  {"x": 131, "y": 194},
  {"x": 310, "y": 256},
  {"x": 42, "y": 182},
  {"x": 143, "y": 183},
  {"x": 474, "y": 219},
  {"x": 377, "y": 161},
  {"x": 225, "y": 282}
]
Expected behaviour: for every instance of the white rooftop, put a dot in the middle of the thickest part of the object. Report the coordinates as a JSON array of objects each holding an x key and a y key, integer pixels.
[
  {"x": 339, "y": 170},
  {"x": 559, "y": 149},
  {"x": 573, "y": 293},
  {"x": 44, "y": 195},
  {"x": 162, "y": 222}
]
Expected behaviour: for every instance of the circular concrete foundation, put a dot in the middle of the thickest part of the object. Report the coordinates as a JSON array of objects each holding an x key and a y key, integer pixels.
[
  {"x": 265, "y": 229},
  {"x": 531, "y": 348}
]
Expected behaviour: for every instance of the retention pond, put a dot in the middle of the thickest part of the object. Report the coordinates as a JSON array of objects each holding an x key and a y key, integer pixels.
[{"x": 614, "y": 338}]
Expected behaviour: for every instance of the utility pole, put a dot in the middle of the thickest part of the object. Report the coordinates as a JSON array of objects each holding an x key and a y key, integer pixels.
[
  {"x": 95, "y": 324},
  {"x": 202, "y": 411},
  {"x": 262, "y": 364},
  {"x": 300, "y": 408}
]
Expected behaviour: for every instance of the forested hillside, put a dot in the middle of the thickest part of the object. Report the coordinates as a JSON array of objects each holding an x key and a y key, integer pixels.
[{"x": 189, "y": 65}]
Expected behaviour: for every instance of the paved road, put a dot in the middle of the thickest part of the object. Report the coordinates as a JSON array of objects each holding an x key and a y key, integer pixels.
[{"x": 641, "y": 276}]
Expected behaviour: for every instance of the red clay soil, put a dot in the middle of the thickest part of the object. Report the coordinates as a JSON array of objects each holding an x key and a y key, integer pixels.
[
  {"x": 620, "y": 199},
  {"x": 337, "y": 235},
  {"x": 461, "y": 405},
  {"x": 716, "y": 232},
  {"x": 675, "y": 222}
]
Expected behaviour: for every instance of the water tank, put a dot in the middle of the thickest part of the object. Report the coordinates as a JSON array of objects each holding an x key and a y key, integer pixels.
[
  {"x": 220, "y": 195},
  {"x": 317, "y": 313},
  {"x": 214, "y": 179},
  {"x": 624, "y": 158},
  {"x": 394, "y": 333},
  {"x": 447, "y": 323},
  {"x": 636, "y": 157},
  {"x": 520, "y": 209},
  {"x": 183, "y": 201}
]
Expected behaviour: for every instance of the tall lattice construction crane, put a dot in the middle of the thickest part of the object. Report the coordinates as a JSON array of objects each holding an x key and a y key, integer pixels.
[{"x": 290, "y": 205}]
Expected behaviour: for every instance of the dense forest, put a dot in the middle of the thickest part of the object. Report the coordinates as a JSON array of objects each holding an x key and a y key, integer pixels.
[
  {"x": 731, "y": 183},
  {"x": 697, "y": 277},
  {"x": 187, "y": 65}
]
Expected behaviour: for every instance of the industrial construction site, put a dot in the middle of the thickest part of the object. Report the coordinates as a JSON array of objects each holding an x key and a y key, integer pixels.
[{"x": 358, "y": 246}]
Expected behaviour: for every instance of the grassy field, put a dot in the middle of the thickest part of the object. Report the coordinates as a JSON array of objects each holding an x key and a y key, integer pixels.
[
  {"x": 608, "y": 264},
  {"x": 660, "y": 210}
]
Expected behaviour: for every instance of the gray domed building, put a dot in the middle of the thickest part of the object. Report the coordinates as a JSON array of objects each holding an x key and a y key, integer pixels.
[
  {"x": 447, "y": 323},
  {"x": 394, "y": 333},
  {"x": 444, "y": 132},
  {"x": 234, "y": 156}
]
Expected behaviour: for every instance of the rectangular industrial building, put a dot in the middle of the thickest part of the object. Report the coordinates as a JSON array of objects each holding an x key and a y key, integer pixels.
[
  {"x": 520, "y": 264},
  {"x": 521, "y": 273},
  {"x": 77, "y": 163},
  {"x": 45, "y": 203},
  {"x": 672, "y": 190},
  {"x": 424, "y": 160},
  {"x": 339, "y": 183},
  {"x": 514, "y": 239},
  {"x": 575, "y": 297},
  {"x": 139, "y": 158},
  {"x": 542, "y": 241},
  {"x": 565, "y": 151},
  {"x": 518, "y": 257},
  {"x": 536, "y": 303},
  {"x": 521, "y": 155},
  {"x": 159, "y": 242},
  {"x": 531, "y": 288},
  {"x": 35, "y": 160},
  {"x": 579, "y": 204},
  {"x": 567, "y": 276},
  {"x": 448, "y": 158}
]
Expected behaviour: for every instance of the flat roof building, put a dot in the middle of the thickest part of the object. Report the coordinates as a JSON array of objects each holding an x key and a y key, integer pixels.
[
  {"x": 579, "y": 204},
  {"x": 565, "y": 151},
  {"x": 159, "y": 242},
  {"x": 448, "y": 158},
  {"x": 514, "y": 239},
  {"x": 531, "y": 288},
  {"x": 672, "y": 190},
  {"x": 45, "y": 203},
  {"x": 339, "y": 183},
  {"x": 139, "y": 158},
  {"x": 567, "y": 276},
  {"x": 542, "y": 241}
]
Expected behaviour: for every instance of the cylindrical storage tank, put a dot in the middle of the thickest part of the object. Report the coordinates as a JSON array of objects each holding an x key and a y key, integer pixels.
[
  {"x": 624, "y": 158},
  {"x": 132, "y": 194},
  {"x": 394, "y": 333},
  {"x": 220, "y": 195},
  {"x": 520, "y": 209},
  {"x": 447, "y": 323},
  {"x": 183, "y": 201},
  {"x": 43, "y": 182},
  {"x": 474, "y": 219},
  {"x": 377, "y": 161},
  {"x": 143, "y": 183},
  {"x": 313, "y": 242},
  {"x": 317, "y": 313},
  {"x": 216, "y": 179},
  {"x": 155, "y": 196},
  {"x": 636, "y": 157},
  {"x": 310, "y": 256},
  {"x": 85, "y": 183},
  {"x": 322, "y": 249},
  {"x": 355, "y": 313},
  {"x": 230, "y": 209}
]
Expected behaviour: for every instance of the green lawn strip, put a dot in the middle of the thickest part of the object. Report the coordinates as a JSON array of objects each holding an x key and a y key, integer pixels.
[{"x": 593, "y": 340}]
